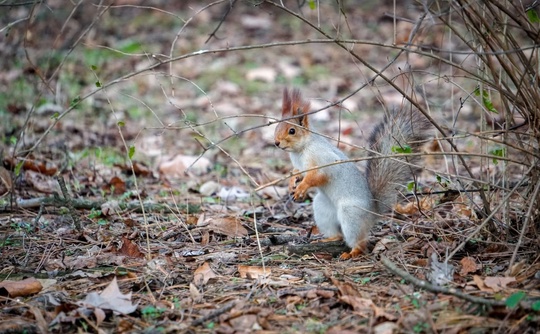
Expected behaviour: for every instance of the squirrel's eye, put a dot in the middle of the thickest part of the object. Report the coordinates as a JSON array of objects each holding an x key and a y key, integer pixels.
[{"x": 292, "y": 131}]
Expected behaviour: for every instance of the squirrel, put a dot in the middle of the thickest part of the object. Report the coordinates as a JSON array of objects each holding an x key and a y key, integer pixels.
[{"x": 348, "y": 201}]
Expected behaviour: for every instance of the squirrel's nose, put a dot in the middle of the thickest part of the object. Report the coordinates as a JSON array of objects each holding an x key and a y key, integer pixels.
[{"x": 276, "y": 143}]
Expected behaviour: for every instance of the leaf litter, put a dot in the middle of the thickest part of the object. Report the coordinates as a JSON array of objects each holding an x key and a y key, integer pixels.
[{"x": 214, "y": 257}]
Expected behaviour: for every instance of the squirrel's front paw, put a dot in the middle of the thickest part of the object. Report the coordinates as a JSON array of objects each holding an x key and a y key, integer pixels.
[
  {"x": 293, "y": 181},
  {"x": 300, "y": 192}
]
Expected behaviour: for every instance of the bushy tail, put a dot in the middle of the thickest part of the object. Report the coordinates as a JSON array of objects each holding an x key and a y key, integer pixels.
[{"x": 401, "y": 130}]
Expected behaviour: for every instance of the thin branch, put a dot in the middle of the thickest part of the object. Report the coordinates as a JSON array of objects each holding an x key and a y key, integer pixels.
[
  {"x": 437, "y": 289},
  {"x": 223, "y": 18}
]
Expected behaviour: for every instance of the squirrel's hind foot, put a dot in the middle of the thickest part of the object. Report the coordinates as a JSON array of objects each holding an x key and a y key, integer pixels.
[{"x": 355, "y": 252}]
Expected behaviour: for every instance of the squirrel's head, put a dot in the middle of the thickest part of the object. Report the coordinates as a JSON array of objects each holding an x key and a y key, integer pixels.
[{"x": 293, "y": 130}]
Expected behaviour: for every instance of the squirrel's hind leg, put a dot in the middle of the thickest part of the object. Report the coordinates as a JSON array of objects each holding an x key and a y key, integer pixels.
[
  {"x": 355, "y": 224},
  {"x": 325, "y": 215}
]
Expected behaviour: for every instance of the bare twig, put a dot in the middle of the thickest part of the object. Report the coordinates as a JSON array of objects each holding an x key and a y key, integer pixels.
[{"x": 437, "y": 289}]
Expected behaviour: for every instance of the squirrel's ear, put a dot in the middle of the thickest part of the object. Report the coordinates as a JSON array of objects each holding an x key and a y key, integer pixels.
[
  {"x": 300, "y": 108},
  {"x": 286, "y": 107}
]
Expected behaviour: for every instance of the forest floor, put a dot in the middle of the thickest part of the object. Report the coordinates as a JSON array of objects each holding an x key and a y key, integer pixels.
[{"x": 128, "y": 184}]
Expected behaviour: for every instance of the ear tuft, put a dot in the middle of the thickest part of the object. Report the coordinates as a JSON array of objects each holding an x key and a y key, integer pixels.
[{"x": 286, "y": 107}]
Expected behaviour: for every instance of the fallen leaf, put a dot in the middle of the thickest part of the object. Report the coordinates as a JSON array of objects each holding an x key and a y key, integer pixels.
[
  {"x": 110, "y": 299},
  {"x": 228, "y": 194},
  {"x": 195, "y": 293},
  {"x": 360, "y": 305},
  {"x": 116, "y": 185},
  {"x": 253, "y": 272},
  {"x": 255, "y": 22},
  {"x": 6, "y": 182},
  {"x": 203, "y": 274},
  {"x": 242, "y": 322},
  {"x": 441, "y": 273},
  {"x": 25, "y": 287},
  {"x": 209, "y": 188},
  {"x": 468, "y": 265},
  {"x": 265, "y": 74},
  {"x": 100, "y": 316},
  {"x": 517, "y": 268},
  {"x": 130, "y": 249},
  {"x": 33, "y": 165},
  {"x": 498, "y": 283},
  {"x": 386, "y": 328},
  {"x": 273, "y": 192},
  {"x": 110, "y": 207},
  {"x": 181, "y": 165},
  {"x": 139, "y": 168},
  {"x": 41, "y": 182},
  {"x": 39, "y": 318},
  {"x": 229, "y": 226},
  {"x": 384, "y": 244},
  {"x": 413, "y": 207}
]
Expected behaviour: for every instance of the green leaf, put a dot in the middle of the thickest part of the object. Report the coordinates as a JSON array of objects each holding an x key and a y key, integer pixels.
[
  {"x": 131, "y": 152},
  {"x": 485, "y": 100},
  {"x": 514, "y": 299},
  {"x": 533, "y": 16},
  {"x": 312, "y": 4},
  {"x": 410, "y": 186},
  {"x": 55, "y": 115},
  {"x": 130, "y": 47},
  {"x": 499, "y": 152},
  {"x": 93, "y": 67},
  {"x": 536, "y": 306},
  {"x": 18, "y": 168},
  {"x": 405, "y": 149},
  {"x": 121, "y": 123},
  {"x": 98, "y": 84},
  {"x": 75, "y": 101}
]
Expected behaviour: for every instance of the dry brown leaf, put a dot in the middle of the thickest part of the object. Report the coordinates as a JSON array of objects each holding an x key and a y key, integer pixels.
[
  {"x": 346, "y": 288},
  {"x": 244, "y": 321},
  {"x": 420, "y": 262},
  {"x": 203, "y": 274},
  {"x": 388, "y": 327},
  {"x": 33, "y": 165},
  {"x": 110, "y": 299},
  {"x": 229, "y": 226},
  {"x": 273, "y": 192},
  {"x": 480, "y": 284},
  {"x": 265, "y": 74},
  {"x": 384, "y": 244},
  {"x": 498, "y": 283},
  {"x": 130, "y": 249},
  {"x": 178, "y": 166},
  {"x": 100, "y": 316},
  {"x": 253, "y": 272},
  {"x": 195, "y": 293},
  {"x": 116, "y": 185},
  {"x": 110, "y": 207},
  {"x": 6, "y": 182},
  {"x": 360, "y": 305},
  {"x": 517, "y": 268},
  {"x": 139, "y": 168},
  {"x": 39, "y": 318},
  {"x": 41, "y": 183},
  {"x": 411, "y": 208},
  {"x": 492, "y": 284},
  {"x": 468, "y": 265},
  {"x": 26, "y": 287}
]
